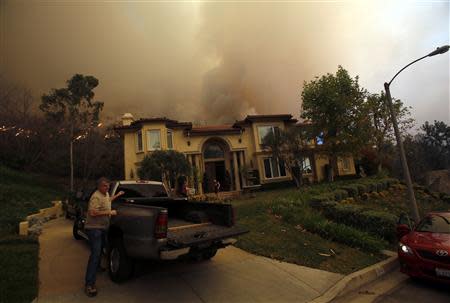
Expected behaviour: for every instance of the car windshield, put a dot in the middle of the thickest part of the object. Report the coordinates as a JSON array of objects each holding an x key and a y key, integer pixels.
[
  {"x": 435, "y": 224},
  {"x": 142, "y": 190}
]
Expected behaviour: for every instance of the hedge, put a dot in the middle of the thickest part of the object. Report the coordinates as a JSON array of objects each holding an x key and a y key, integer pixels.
[
  {"x": 313, "y": 222},
  {"x": 381, "y": 224}
]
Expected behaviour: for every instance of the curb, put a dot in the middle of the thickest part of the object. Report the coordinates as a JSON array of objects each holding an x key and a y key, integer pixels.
[{"x": 357, "y": 279}]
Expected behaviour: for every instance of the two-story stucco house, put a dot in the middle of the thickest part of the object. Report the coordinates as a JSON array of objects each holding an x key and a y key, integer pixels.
[{"x": 230, "y": 153}]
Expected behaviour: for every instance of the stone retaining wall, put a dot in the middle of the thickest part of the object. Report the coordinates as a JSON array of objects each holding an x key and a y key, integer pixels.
[{"x": 33, "y": 223}]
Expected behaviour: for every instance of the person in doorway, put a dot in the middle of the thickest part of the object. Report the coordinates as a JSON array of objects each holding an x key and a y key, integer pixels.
[
  {"x": 97, "y": 223},
  {"x": 216, "y": 185}
]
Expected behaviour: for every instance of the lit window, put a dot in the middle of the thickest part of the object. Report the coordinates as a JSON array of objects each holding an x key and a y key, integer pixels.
[
  {"x": 169, "y": 139},
  {"x": 346, "y": 164},
  {"x": 153, "y": 139},
  {"x": 306, "y": 166},
  {"x": 273, "y": 168},
  {"x": 263, "y": 131},
  {"x": 139, "y": 141},
  {"x": 319, "y": 139}
]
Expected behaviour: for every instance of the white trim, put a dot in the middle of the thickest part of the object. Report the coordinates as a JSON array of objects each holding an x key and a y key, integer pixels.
[{"x": 271, "y": 169}]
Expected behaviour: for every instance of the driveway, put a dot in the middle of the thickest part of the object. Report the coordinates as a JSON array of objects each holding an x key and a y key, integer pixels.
[{"x": 233, "y": 275}]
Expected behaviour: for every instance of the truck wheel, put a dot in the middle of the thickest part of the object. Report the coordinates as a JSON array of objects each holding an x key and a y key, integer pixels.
[
  {"x": 75, "y": 230},
  {"x": 120, "y": 265},
  {"x": 209, "y": 254}
]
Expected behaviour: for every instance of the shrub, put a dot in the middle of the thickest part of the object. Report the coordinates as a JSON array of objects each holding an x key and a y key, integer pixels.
[
  {"x": 315, "y": 223},
  {"x": 351, "y": 189},
  {"x": 378, "y": 223},
  {"x": 361, "y": 188},
  {"x": 340, "y": 194}
]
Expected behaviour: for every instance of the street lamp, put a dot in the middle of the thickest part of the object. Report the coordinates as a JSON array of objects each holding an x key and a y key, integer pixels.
[{"x": 407, "y": 176}]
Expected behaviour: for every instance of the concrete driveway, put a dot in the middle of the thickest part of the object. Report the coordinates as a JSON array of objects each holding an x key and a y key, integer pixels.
[{"x": 233, "y": 275}]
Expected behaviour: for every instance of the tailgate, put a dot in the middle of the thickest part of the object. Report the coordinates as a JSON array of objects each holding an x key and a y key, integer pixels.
[{"x": 201, "y": 234}]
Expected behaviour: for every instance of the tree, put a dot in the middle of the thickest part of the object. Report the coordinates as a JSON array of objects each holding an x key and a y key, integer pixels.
[
  {"x": 436, "y": 142},
  {"x": 164, "y": 165},
  {"x": 74, "y": 107},
  {"x": 382, "y": 132},
  {"x": 289, "y": 146},
  {"x": 335, "y": 106}
]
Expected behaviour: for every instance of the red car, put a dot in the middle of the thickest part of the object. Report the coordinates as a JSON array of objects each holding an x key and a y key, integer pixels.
[{"x": 424, "y": 251}]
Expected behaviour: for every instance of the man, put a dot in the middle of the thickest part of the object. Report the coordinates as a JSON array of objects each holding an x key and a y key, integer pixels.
[{"x": 97, "y": 223}]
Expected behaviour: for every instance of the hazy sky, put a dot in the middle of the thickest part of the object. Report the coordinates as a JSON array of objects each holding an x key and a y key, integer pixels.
[{"x": 219, "y": 61}]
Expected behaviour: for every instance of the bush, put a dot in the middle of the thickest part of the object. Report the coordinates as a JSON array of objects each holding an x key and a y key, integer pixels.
[
  {"x": 340, "y": 194},
  {"x": 362, "y": 189},
  {"x": 377, "y": 223},
  {"x": 351, "y": 189},
  {"x": 315, "y": 223}
]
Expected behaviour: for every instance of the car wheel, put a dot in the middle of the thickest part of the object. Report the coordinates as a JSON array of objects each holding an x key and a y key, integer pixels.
[
  {"x": 75, "y": 229},
  {"x": 120, "y": 266}
]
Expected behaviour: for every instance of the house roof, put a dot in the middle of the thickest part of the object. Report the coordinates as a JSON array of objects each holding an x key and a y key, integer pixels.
[
  {"x": 265, "y": 118},
  {"x": 213, "y": 129},
  {"x": 234, "y": 128}
]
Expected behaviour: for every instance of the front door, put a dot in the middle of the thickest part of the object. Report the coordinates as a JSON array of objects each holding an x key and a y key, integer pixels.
[{"x": 214, "y": 170}]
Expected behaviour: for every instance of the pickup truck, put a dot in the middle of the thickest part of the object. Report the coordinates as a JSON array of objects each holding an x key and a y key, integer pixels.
[{"x": 152, "y": 225}]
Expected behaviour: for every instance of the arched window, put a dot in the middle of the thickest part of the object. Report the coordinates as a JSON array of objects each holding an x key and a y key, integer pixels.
[{"x": 214, "y": 150}]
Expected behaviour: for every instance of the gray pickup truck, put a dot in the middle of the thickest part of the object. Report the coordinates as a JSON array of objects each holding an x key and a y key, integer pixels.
[{"x": 151, "y": 225}]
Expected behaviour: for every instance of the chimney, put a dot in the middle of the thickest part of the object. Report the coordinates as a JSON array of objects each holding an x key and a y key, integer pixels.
[{"x": 127, "y": 119}]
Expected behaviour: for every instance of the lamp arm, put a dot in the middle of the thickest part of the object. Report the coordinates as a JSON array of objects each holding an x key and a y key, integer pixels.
[{"x": 389, "y": 83}]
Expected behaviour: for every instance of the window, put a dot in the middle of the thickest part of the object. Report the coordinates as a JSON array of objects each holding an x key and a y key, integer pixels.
[
  {"x": 214, "y": 150},
  {"x": 273, "y": 168},
  {"x": 139, "y": 141},
  {"x": 319, "y": 139},
  {"x": 346, "y": 164},
  {"x": 306, "y": 166},
  {"x": 169, "y": 139},
  {"x": 265, "y": 130},
  {"x": 153, "y": 139}
]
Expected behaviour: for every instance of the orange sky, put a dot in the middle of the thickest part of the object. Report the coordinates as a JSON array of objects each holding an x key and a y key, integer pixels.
[{"x": 218, "y": 61}]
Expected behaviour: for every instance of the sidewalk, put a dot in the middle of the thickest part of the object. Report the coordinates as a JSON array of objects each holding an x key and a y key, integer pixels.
[{"x": 232, "y": 276}]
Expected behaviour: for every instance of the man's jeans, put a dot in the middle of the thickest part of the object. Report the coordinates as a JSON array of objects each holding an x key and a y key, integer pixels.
[{"x": 97, "y": 239}]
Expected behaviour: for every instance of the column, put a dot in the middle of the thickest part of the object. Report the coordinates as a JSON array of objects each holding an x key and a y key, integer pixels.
[
  {"x": 236, "y": 172},
  {"x": 241, "y": 160},
  {"x": 200, "y": 173}
]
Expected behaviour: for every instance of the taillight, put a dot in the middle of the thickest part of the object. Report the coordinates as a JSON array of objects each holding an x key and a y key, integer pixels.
[{"x": 161, "y": 225}]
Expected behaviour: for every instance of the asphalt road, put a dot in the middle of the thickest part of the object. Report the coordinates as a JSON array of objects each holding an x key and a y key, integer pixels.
[
  {"x": 396, "y": 287},
  {"x": 412, "y": 291}
]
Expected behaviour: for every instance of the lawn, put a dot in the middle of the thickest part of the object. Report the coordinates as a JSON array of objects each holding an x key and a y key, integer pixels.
[
  {"x": 283, "y": 226},
  {"x": 20, "y": 195}
]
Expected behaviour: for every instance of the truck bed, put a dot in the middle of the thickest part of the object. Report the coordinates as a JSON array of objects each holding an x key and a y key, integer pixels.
[{"x": 200, "y": 233}]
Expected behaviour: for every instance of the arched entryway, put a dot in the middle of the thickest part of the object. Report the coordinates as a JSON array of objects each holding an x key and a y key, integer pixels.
[{"x": 216, "y": 157}]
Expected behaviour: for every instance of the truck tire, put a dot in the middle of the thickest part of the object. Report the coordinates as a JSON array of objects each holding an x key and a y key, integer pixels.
[
  {"x": 208, "y": 254},
  {"x": 120, "y": 266},
  {"x": 75, "y": 230}
]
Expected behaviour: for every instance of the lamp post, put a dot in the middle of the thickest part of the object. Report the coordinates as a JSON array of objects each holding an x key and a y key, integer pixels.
[{"x": 407, "y": 176}]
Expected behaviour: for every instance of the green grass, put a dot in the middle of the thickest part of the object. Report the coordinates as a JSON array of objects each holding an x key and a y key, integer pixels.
[
  {"x": 272, "y": 237},
  {"x": 21, "y": 194},
  {"x": 18, "y": 262},
  {"x": 283, "y": 225}
]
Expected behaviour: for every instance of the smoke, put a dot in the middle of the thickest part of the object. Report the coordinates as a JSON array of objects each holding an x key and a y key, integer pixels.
[{"x": 221, "y": 61}]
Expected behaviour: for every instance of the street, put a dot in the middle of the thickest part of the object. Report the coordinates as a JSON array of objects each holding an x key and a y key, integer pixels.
[
  {"x": 417, "y": 291},
  {"x": 396, "y": 287}
]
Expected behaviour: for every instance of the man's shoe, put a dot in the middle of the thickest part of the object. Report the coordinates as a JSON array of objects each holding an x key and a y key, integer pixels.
[
  {"x": 101, "y": 269},
  {"x": 90, "y": 290}
]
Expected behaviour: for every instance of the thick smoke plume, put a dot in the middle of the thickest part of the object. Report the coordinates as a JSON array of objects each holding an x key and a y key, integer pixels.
[{"x": 217, "y": 62}]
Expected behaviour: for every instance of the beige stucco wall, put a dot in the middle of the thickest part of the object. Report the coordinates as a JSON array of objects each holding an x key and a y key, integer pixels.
[{"x": 247, "y": 142}]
